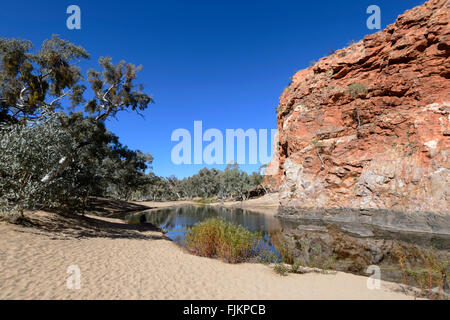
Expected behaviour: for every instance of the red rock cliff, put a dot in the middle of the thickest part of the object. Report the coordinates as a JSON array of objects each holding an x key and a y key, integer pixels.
[{"x": 369, "y": 126}]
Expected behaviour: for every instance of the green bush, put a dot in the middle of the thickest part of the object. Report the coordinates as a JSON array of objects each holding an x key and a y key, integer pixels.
[
  {"x": 295, "y": 267},
  {"x": 281, "y": 269},
  {"x": 267, "y": 257},
  {"x": 216, "y": 237},
  {"x": 356, "y": 89}
]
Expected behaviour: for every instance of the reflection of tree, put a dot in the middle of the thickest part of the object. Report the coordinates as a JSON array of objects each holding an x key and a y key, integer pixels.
[{"x": 171, "y": 221}]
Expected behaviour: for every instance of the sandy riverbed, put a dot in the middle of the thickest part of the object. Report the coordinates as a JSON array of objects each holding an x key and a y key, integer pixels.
[{"x": 120, "y": 261}]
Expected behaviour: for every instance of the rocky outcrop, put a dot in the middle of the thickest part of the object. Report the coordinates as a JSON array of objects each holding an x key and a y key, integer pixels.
[{"x": 368, "y": 127}]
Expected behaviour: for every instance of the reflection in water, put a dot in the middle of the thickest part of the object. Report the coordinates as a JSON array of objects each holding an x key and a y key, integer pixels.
[
  {"x": 345, "y": 247},
  {"x": 177, "y": 220}
]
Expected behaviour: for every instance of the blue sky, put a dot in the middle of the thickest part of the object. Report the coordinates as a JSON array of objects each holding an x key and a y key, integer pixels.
[{"x": 222, "y": 62}]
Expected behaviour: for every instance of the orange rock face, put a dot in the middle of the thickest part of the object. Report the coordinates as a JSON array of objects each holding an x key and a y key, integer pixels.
[{"x": 369, "y": 126}]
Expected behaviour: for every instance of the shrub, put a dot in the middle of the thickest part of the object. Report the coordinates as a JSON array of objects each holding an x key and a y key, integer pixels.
[
  {"x": 316, "y": 142},
  {"x": 280, "y": 269},
  {"x": 267, "y": 257},
  {"x": 433, "y": 276},
  {"x": 216, "y": 237},
  {"x": 295, "y": 266},
  {"x": 356, "y": 89}
]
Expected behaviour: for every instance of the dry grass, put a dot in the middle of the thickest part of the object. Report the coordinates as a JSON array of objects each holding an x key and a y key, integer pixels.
[
  {"x": 432, "y": 279},
  {"x": 216, "y": 237}
]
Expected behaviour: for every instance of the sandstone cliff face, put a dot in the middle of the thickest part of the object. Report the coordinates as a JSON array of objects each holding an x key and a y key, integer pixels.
[{"x": 369, "y": 126}]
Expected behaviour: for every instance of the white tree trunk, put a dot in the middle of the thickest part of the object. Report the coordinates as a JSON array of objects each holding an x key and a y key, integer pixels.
[{"x": 63, "y": 162}]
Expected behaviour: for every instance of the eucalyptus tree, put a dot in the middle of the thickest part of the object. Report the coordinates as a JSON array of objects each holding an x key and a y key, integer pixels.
[
  {"x": 125, "y": 171},
  {"x": 174, "y": 186},
  {"x": 158, "y": 189},
  {"x": 26, "y": 152},
  {"x": 33, "y": 82},
  {"x": 209, "y": 182},
  {"x": 34, "y": 86},
  {"x": 231, "y": 183}
]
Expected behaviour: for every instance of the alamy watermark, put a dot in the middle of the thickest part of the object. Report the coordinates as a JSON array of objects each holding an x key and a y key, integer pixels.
[
  {"x": 374, "y": 20},
  {"x": 73, "y": 282},
  {"x": 74, "y": 20},
  {"x": 374, "y": 281},
  {"x": 221, "y": 147}
]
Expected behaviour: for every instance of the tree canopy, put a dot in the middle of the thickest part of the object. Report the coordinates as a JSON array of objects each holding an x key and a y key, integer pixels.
[
  {"x": 230, "y": 183},
  {"x": 34, "y": 82},
  {"x": 55, "y": 148}
]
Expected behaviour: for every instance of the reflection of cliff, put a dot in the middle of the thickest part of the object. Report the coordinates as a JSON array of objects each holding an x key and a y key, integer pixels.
[
  {"x": 369, "y": 125},
  {"x": 352, "y": 248}
]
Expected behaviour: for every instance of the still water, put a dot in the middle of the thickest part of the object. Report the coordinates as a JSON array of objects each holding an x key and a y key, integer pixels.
[
  {"x": 176, "y": 221},
  {"x": 344, "y": 247}
]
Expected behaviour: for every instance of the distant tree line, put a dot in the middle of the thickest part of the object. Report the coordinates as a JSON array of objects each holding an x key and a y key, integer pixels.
[{"x": 230, "y": 183}]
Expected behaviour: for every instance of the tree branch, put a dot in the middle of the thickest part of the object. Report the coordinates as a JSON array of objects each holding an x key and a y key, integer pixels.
[
  {"x": 323, "y": 164},
  {"x": 63, "y": 162},
  {"x": 105, "y": 100},
  {"x": 21, "y": 99},
  {"x": 59, "y": 98}
]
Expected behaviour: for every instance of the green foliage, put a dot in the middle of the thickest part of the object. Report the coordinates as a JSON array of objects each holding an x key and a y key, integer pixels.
[
  {"x": 47, "y": 164},
  {"x": 267, "y": 257},
  {"x": 114, "y": 89},
  {"x": 231, "y": 183},
  {"x": 356, "y": 89},
  {"x": 216, "y": 237},
  {"x": 125, "y": 171},
  {"x": 281, "y": 269},
  {"x": 27, "y": 150},
  {"x": 31, "y": 82},
  {"x": 295, "y": 267},
  {"x": 51, "y": 159},
  {"x": 315, "y": 142}
]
